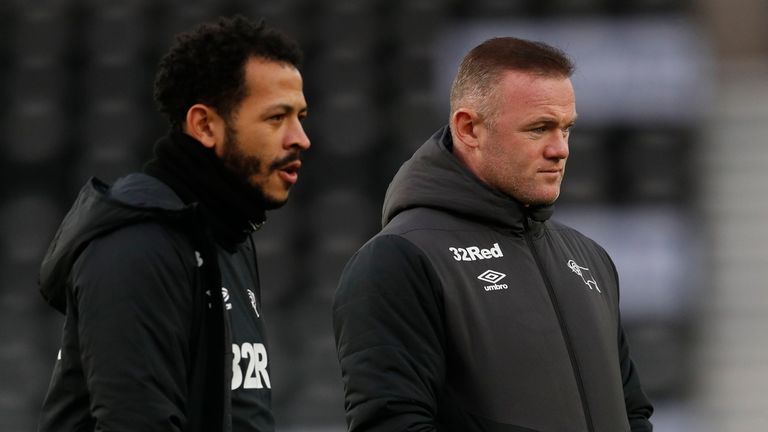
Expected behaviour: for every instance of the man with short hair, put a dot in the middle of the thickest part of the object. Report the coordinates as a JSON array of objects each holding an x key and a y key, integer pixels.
[
  {"x": 471, "y": 310},
  {"x": 157, "y": 273}
]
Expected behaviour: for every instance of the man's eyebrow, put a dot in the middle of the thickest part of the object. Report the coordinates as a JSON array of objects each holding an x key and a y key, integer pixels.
[
  {"x": 544, "y": 120},
  {"x": 284, "y": 107},
  {"x": 281, "y": 107},
  {"x": 551, "y": 120}
]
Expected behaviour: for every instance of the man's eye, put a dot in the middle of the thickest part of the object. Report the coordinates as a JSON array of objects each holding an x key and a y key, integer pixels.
[{"x": 277, "y": 117}]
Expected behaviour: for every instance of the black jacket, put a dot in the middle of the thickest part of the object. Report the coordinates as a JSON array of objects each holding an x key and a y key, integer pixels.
[
  {"x": 470, "y": 312},
  {"x": 149, "y": 351}
]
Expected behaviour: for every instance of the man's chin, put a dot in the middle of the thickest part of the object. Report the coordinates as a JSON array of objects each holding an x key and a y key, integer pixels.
[
  {"x": 270, "y": 196},
  {"x": 542, "y": 200},
  {"x": 274, "y": 205},
  {"x": 272, "y": 202}
]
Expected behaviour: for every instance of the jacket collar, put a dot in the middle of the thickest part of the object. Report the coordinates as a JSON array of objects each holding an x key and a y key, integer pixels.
[
  {"x": 233, "y": 208},
  {"x": 434, "y": 177}
]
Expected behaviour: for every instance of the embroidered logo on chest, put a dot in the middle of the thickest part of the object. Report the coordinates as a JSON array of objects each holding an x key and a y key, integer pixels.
[
  {"x": 585, "y": 274},
  {"x": 225, "y": 298},
  {"x": 252, "y": 297},
  {"x": 493, "y": 277},
  {"x": 473, "y": 253}
]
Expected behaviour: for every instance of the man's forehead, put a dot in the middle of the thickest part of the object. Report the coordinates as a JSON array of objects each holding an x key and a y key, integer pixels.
[
  {"x": 530, "y": 88},
  {"x": 527, "y": 77}
]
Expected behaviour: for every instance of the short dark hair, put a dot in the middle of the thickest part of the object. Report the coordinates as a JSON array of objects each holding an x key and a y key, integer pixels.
[
  {"x": 207, "y": 65},
  {"x": 482, "y": 66}
]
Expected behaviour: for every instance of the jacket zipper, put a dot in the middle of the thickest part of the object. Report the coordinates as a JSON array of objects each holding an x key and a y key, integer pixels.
[{"x": 563, "y": 328}]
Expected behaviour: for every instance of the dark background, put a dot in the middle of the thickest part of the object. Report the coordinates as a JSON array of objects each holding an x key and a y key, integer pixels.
[{"x": 76, "y": 78}]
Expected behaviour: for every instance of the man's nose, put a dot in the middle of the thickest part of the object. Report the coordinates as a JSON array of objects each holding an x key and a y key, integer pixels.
[
  {"x": 557, "y": 148},
  {"x": 298, "y": 137}
]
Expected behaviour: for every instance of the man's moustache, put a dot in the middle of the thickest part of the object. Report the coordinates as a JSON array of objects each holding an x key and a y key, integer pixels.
[{"x": 292, "y": 157}]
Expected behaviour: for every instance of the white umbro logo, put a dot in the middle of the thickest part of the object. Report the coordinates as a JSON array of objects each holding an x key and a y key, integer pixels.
[{"x": 491, "y": 276}]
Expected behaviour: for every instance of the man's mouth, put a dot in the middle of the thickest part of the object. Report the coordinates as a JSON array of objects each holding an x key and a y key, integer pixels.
[
  {"x": 290, "y": 172},
  {"x": 551, "y": 171}
]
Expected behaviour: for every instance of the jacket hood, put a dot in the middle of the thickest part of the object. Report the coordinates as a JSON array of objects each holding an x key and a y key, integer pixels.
[
  {"x": 98, "y": 210},
  {"x": 433, "y": 177}
]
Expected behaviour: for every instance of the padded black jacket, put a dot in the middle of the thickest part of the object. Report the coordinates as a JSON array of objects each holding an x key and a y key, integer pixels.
[
  {"x": 149, "y": 352},
  {"x": 470, "y": 312}
]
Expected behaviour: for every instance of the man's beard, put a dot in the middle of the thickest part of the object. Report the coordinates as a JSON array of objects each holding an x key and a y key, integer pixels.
[{"x": 246, "y": 167}]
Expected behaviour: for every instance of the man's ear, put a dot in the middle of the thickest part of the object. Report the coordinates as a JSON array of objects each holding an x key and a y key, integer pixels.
[
  {"x": 205, "y": 125},
  {"x": 465, "y": 126}
]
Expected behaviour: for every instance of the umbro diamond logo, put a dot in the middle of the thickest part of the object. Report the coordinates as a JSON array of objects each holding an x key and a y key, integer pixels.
[{"x": 493, "y": 277}]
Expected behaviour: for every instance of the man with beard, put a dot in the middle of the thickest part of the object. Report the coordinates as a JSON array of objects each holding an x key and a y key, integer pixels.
[
  {"x": 157, "y": 273},
  {"x": 471, "y": 310}
]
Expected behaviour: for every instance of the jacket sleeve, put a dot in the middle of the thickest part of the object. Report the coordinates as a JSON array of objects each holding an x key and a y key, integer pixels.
[
  {"x": 134, "y": 299},
  {"x": 390, "y": 338},
  {"x": 639, "y": 408}
]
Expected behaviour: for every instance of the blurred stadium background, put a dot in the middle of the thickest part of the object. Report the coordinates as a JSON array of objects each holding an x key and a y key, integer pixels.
[{"x": 667, "y": 171}]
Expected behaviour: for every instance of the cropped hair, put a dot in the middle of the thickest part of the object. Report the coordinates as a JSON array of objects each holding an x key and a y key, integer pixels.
[
  {"x": 482, "y": 68},
  {"x": 207, "y": 65}
]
